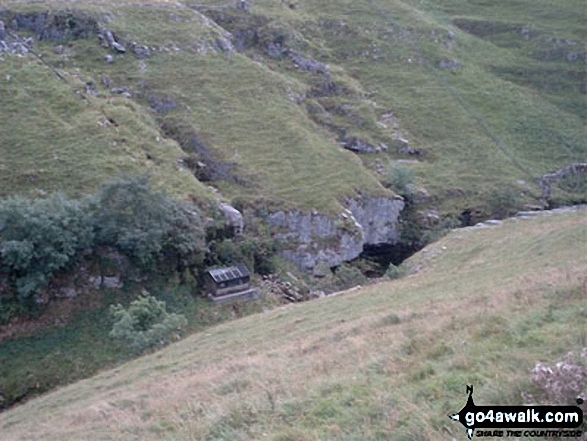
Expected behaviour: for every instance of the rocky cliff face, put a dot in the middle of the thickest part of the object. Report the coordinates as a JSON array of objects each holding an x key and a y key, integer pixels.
[{"x": 315, "y": 238}]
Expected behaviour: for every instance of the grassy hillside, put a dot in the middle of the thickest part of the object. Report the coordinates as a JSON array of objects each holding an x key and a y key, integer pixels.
[
  {"x": 387, "y": 362},
  {"x": 510, "y": 107},
  {"x": 54, "y": 141}
]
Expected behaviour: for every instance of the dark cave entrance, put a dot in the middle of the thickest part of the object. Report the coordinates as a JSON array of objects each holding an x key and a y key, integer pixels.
[{"x": 380, "y": 256}]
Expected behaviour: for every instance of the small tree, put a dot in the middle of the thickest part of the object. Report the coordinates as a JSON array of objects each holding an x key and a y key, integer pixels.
[
  {"x": 149, "y": 227},
  {"x": 400, "y": 179},
  {"x": 40, "y": 238},
  {"x": 145, "y": 323}
]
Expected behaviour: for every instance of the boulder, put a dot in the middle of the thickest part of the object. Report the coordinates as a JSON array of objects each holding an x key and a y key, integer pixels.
[
  {"x": 118, "y": 47},
  {"x": 274, "y": 50},
  {"x": 140, "y": 51},
  {"x": 233, "y": 218},
  {"x": 402, "y": 146},
  {"x": 307, "y": 64},
  {"x": 359, "y": 146},
  {"x": 67, "y": 293},
  {"x": 2, "y": 31},
  {"x": 244, "y": 5}
]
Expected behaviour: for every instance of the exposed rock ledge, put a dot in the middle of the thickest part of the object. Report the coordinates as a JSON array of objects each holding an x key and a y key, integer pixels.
[{"x": 315, "y": 238}]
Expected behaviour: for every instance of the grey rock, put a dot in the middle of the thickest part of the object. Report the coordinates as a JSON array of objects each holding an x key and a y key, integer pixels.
[
  {"x": 2, "y": 30},
  {"x": 141, "y": 51},
  {"x": 275, "y": 50},
  {"x": 307, "y": 64},
  {"x": 402, "y": 146},
  {"x": 494, "y": 222},
  {"x": 451, "y": 35},
  {"x": 378, "y": 218},
  {"x": 91, "y": 88},
  {"x": 359, "y": 146},
  {"x": 55, "y": 26},
  {"x": 450, "y": 64},
  {"x": 106, "y": 282},
  {"x": 106, "y": 81},
  {"x": 112, "y": 282},
  {"x": 118, "y": 47},
  {"x": 548, "y": 180},
  {"x": 162, "y": 104},
  {"x": 421, "y": 196},
  {"x": 233, "y": 218},
  {"x": 244, "y": 5},
  {"x": 428, "y": 218},
  {"x": 119, "y": 90},
  {"x": 109, "y": 59},
  {"x": 109, "y": 38},
  {"x": 574, "y": 56},
  {"x": 313, "y": 238},
  {"x": 67, "y": 293},
  {"x": 224, "y": 45}
]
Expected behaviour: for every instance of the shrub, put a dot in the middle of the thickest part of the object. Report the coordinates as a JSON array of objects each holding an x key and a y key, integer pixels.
[
  {"x": 395, "y": 272},
  {"x": 348, "y": 276},
  {"x": 149, "y": 227},
  {"x": 504, "y": 203},
  {"x": 561, "y": 383},
  {"x": 145, "y": 323},
  {"x": 41, "y": 238},
  {"x": 400, "y": 179},
  {"x": 38, "y": 239}
]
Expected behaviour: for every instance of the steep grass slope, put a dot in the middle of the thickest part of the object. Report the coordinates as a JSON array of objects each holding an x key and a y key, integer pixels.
[
  {"x": 490, "y": 97},
  {"x": 387, "y": 362},
  {"x": 55, "y": 140}
]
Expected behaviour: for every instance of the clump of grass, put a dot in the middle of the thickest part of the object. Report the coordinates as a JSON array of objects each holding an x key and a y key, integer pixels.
[{"x": 390, "y": 320}]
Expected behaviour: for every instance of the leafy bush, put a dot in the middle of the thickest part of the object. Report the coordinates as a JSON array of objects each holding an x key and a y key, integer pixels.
[
  {"x": 504, "y": 203},
  {"x": 38, "y": 239},
  {"x": 149, "y": 227},
  {"x": 348, "y": 276},
  {"x": 41, "y": 238},
  {"x": 145, "y": 323},
  {"x": 400, "y": 179},
  {"x": 395, "y": 272}
]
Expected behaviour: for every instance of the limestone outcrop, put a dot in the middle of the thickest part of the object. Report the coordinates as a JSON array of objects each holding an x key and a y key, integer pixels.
[{"x": 313, "y": 238}]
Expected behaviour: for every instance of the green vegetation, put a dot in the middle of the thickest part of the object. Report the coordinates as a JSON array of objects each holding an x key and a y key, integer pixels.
[
  {"x": 400, "y": 179},
  {"x": 38, "y": 239},
  {"x": 511, "y": 110},
  {"x": 386, "y": 362},
  {"x": 473, "y": 102},
  {"x": 145, "y": 323},
  {"x": 149, "y": 227},
  {"x": 71, "y": 342},
  {"x": 57, "y": 142},
  {"x": 395, "y": 272},
  {"x": 42, "y": 238}
]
